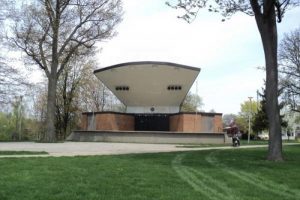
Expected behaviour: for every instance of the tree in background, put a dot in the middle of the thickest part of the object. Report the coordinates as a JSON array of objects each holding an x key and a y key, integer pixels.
[
  {"x": 7, "y": 127},
  {"x": 67, "y": 92},
  {"x": 18, "y": 114},
  {"x": 95, "y": 96},
  {"x": 266, "y": 13},
  {"x": 247, "y": 109},
  {"x": 50, "y": 33},
  {"x": 16, "y": 124},
  {"x": 12, "y": 83},
  {"x": 39, "y": 100},
  {"x": 227, "y": 119},
  {"x": 260, "y": 120},
  {"x": 72, "y": 81},
  {"x": 191, "y": 103},
  {"x": 289, "y": 68}
]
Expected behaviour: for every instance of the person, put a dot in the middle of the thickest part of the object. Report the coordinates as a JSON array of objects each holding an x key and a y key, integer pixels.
[
  {"x": 235, "y": 139},
  {"x": 233, "y": 131}
]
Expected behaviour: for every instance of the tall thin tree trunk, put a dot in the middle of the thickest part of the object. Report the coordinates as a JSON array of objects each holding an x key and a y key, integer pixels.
[
  {"x": 52, "y": 83},
  {"x": 50, "y": 117},
  {"x": 268, "y": 31}
]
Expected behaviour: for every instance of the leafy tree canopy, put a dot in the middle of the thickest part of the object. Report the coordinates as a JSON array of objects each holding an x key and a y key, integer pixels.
[{"x": 191, "y": 103}]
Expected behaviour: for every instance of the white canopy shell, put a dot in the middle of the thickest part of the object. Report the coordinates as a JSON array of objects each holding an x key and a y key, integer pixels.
[{"x": 149, "y": 87}]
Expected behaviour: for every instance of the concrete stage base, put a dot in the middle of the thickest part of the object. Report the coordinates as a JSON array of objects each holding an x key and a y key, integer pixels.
[{"x": 151, "y": 137}]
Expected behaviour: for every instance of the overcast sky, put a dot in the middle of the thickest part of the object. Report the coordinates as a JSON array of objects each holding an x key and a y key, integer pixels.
[{"x": 228, "y": 53}]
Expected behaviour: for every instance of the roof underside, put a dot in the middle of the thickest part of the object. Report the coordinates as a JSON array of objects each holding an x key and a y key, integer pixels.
[{"x": 149, "y": 83}]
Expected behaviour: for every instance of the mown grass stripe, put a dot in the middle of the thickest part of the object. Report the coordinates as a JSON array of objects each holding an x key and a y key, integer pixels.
[
  {"x": 182, "y": 173},
  {"x": 190, "y": 176},
  {"x": 226, "y": 190},
  {"x": 255, "y": 180},
  {"x": 270, "y": 185}
]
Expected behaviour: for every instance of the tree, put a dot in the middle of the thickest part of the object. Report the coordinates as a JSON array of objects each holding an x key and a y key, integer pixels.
[
  {"x": 18, "y": 113},
  {"x": 12, "y": 83},
  {"x": 39, "y": 99},
  {"x": 289, "y": 68},
  {"x": 95, "y": 96},
  {"x": 227, "y": 119},
  {"x": 6, "y": 126},
  {"x": 247, "y": 108},
  {"x": 260, "y": 119},
  {"x": 76, "y": 86},
  {"x": 72, "y": 79},
  {"x": 52, "y": 32},
  {"x": 67, "y": 87},
  {"x": 191, "y": 103},
  {"x": 266, "y": 12}
]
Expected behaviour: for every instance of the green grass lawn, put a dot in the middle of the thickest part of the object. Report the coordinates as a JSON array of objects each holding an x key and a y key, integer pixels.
[
  {"x": 22, "y": 153},
  {"x": 257, "y": 142},
  {"x": 243, "y": 143},
  {"x": 241, "y": 174}
]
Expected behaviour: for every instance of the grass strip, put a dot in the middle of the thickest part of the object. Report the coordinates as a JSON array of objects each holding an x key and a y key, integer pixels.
[
  {"x": 243, "y": 143},
  {"x": 22, "y": 153}
]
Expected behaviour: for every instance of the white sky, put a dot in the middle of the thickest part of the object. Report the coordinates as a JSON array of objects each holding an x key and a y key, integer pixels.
[{"x": 228, "y": 53}]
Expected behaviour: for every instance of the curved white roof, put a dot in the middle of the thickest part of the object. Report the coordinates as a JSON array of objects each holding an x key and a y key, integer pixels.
[{"x": 149, "y": 86}]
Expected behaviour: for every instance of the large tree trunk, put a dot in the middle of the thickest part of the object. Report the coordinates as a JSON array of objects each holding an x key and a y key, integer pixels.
[
  {"x": 268, "y": 31},
  {"x": 52, "y": 84},
  {"x": 50, "y": 117}
]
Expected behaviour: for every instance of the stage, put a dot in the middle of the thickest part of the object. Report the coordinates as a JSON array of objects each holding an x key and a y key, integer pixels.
[{"x": 151, "y": 137}]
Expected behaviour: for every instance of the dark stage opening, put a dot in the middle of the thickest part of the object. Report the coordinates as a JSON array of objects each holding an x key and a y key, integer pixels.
[{"x": 151, "y": 122}]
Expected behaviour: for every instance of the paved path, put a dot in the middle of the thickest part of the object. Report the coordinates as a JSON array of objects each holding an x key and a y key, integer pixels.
[{"x": 98, "y": 148}]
